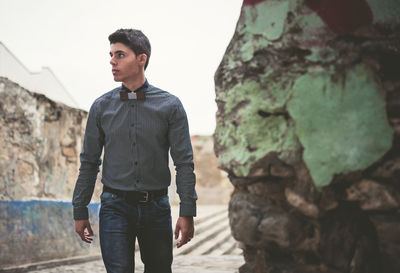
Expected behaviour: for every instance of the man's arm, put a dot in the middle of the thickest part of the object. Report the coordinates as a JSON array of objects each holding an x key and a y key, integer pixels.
[
  {"x": 90, "y": 162},
  {"x": 182, "y": 155}
]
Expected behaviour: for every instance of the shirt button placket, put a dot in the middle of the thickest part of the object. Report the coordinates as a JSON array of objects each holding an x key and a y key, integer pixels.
[{"x": 134, "y": 140}]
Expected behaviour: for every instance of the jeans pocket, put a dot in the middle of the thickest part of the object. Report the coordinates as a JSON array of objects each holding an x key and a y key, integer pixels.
[
  {"x": 106, "y": 196},
  {"x": 162, "y": 203}
]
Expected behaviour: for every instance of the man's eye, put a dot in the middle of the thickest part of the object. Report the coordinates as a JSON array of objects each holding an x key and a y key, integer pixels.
[{"x": 120, "y": 55}]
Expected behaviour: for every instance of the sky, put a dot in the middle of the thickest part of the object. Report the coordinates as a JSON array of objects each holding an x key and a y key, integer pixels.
[{"x": 188, "y": 40}]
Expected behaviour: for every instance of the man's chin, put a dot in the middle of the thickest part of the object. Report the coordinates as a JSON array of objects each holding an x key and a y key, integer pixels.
[{"x": 117, "y": 79}]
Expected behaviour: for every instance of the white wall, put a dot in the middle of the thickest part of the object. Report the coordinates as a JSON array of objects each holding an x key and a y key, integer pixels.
[{"x": 44, "y": 81}]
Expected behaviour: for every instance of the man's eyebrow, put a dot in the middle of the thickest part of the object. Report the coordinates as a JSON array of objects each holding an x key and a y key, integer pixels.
[{"x": 116, "y": 52}]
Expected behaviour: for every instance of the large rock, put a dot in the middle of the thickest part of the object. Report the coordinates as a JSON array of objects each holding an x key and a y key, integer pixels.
[{"x": 308, "y": 97}]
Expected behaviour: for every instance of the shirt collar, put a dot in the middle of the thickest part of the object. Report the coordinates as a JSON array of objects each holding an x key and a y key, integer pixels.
[{"x": 141, "y": 88}]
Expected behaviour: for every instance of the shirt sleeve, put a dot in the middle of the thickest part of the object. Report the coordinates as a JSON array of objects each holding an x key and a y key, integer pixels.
[
  {"x": 90, "y": 162},
  {"x": 182, "y": 155}
]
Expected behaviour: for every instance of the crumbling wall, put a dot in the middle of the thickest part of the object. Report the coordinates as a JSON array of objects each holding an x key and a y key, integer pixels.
[
  {"x": 40, "y": 142},
  {"x": 308, "y": 96}
]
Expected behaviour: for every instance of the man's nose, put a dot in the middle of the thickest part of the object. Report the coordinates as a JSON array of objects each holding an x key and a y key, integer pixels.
[{"x": 113, "y": 62}]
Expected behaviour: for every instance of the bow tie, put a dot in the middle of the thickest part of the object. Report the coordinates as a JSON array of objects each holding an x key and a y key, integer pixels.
[{"x": 139, "y": 95}]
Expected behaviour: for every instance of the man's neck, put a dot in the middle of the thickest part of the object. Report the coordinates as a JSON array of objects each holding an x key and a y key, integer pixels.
[{"x": 135, "y": 83}]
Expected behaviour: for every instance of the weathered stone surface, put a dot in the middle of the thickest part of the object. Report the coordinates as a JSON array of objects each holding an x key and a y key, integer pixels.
[
  {"x": 387, "y": 227},
  {"x": 39, "y": 147},
  {"x": 349, "y": 241},
  {"x": 270, "y": 190},
  {"x": 328, "y": 199},
  {"x": 297, "y": 201},
  {"x": 257, "y": 221},
  {"x": 307, "y": 128},
  {"x": 373, "y": 196},
  {"x": 281, "y": 170},
  {"x": 395, "y": 123},
  {"x": 250, "y": 215},
  {"x": 340, "y": 121},
  {"x": 68, "y": 152},
  {"x": 39, "y": 159},
  {"x": 388, "y": 169},
  {"x": 39, "y": 230},
  {"x": 239, "y": 145}
]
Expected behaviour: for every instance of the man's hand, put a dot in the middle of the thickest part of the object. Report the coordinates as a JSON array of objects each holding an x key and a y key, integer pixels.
[
  {"x": 80, "y": 226},
  {"x": 185, "y": 226}
]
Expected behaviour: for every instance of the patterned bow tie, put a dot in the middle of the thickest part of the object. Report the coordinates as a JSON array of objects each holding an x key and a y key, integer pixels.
[{"x": 139, "y": 95}]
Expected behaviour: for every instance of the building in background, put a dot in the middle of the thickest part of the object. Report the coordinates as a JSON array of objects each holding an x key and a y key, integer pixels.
[{"x": 44, "y": 81}]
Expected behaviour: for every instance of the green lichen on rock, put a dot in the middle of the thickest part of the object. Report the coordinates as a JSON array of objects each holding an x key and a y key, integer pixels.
[
  {"x": 283, "y": 51},
  {"x": 265, "y": 94},
  {"x": 271, "y": 26},
  {"x": 340, "y": 121},
  {"x": 254, "y": 124},
  {"x": 385, "y": 11}
]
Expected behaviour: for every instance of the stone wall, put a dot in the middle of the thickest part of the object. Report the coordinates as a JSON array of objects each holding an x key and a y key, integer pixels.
[
  {"x": 39, "y": 160},
  {"x": 308, "y": 96},
  {"x": 40, "y": 145}
]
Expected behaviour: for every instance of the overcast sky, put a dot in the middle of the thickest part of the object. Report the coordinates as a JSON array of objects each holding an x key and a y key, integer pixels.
[{"x": 188, "y": 39}]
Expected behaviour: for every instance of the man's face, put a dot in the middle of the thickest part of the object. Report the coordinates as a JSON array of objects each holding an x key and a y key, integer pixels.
[{"x": 125, "y": 64}]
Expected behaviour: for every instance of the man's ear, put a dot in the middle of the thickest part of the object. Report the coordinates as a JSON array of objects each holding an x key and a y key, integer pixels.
[{"x": 142, "y": 58}]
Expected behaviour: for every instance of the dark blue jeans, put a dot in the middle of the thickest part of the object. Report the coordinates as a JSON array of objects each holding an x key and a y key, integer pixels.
[{"x": 122, "y": 222}]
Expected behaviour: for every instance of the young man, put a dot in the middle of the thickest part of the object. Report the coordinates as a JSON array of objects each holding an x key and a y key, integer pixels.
[{"x": 136, "y": 124}]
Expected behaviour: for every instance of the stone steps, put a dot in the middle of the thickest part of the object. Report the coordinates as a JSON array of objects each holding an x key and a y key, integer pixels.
[
  {"x": 208, "y": 217},
  {"x": 202, "y": 238},
  {"x": 214, "y": 242},
  {"x": 212, "y": 234},
  {"x": 204, "y": 225}
]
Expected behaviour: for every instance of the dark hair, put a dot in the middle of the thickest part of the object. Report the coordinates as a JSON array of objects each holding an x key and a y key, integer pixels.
[{"x": 134, "y": 39}]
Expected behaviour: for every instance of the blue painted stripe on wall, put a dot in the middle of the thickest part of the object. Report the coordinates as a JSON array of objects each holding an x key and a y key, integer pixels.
[
  {"x": 27, "y": 216},
  {"x": 44, "y": 202},
  {"x": 38, "y": 230}
]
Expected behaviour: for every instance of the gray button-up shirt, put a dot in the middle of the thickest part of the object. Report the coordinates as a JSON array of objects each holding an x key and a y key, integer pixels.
[{"x": 136, "y": 136}]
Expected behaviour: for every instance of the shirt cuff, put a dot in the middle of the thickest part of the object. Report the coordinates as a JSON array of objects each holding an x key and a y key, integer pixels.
[
  {"x": 187, "y": 210},
  {"x": 81, "y": 213}
]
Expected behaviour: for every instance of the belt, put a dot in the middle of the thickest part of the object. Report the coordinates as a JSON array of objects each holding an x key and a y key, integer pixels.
[{"x": 137, "y": 196}]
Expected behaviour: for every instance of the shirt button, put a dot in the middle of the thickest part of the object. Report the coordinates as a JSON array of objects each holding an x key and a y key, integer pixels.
[
  {"x": 134, "y": 143},
  {"x": 132, "y": 125},
  {"x": 137, "y": 180},
  {"x": 132, "y": 105},
  {"x": 135, "y": 162}
]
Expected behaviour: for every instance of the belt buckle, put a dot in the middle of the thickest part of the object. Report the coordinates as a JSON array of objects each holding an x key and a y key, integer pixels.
[{"x": 146, "y": 197}]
